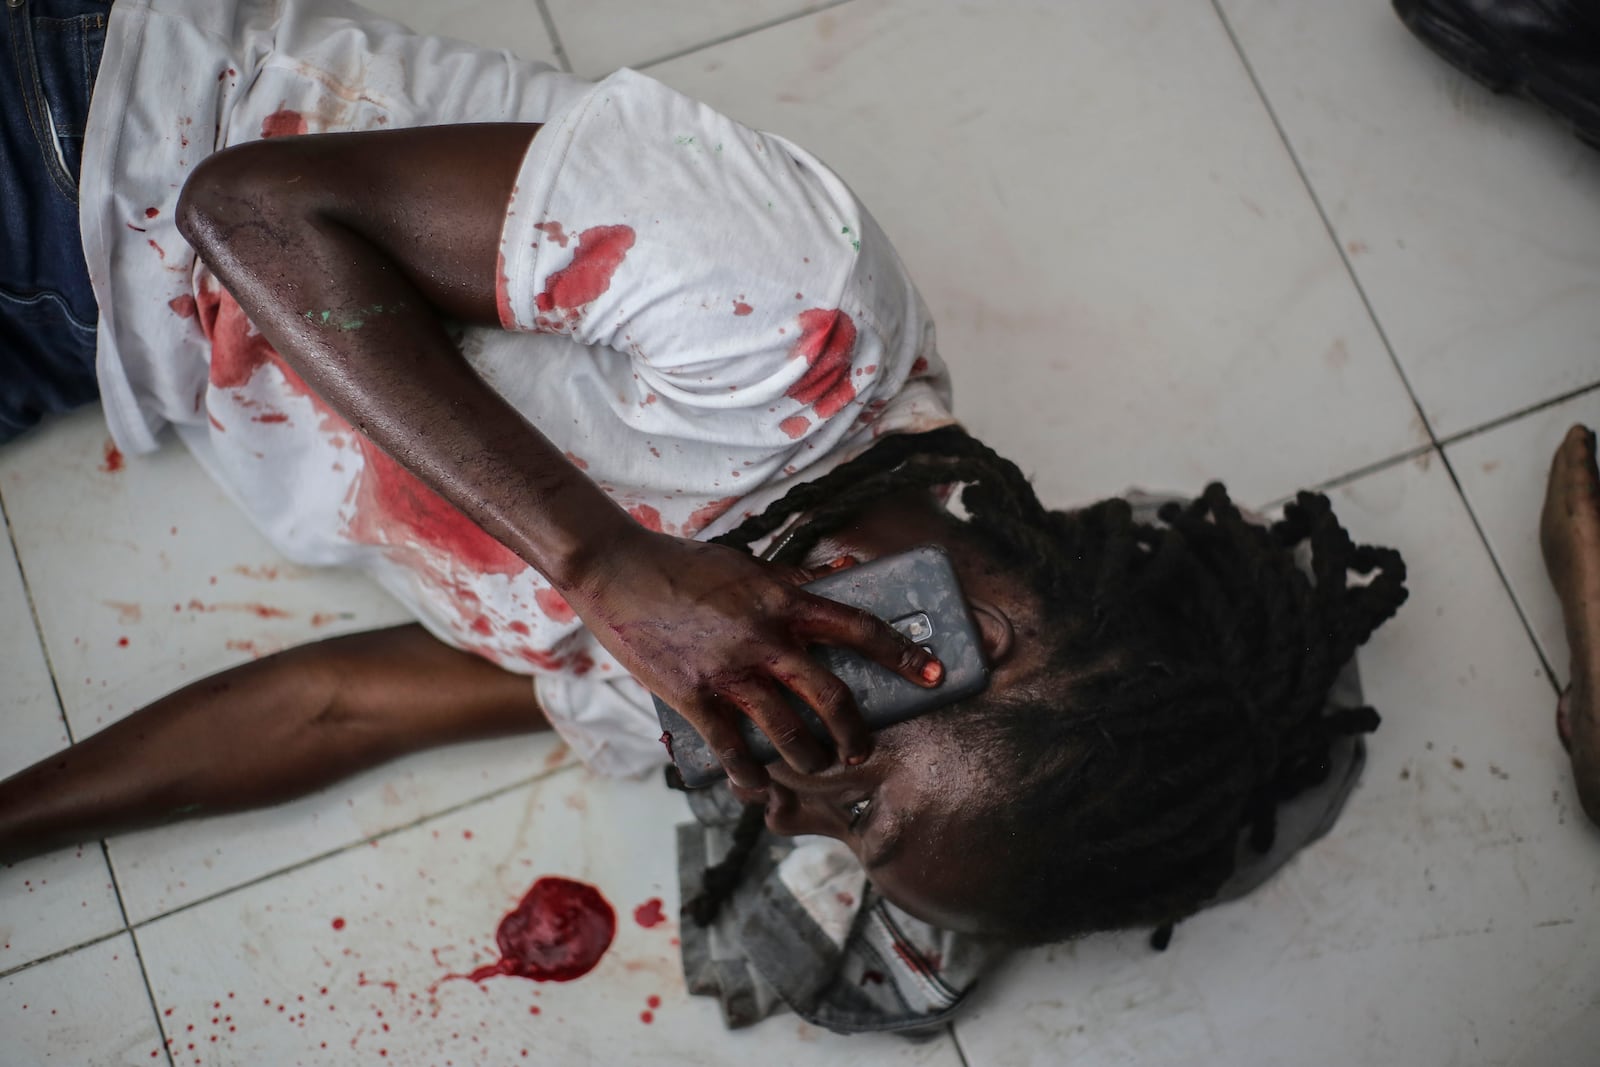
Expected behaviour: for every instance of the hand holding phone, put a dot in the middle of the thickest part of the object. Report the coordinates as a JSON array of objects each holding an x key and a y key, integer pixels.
[
  {"x": 722, "y": 635},
  {"x": 915, "y": 592}
]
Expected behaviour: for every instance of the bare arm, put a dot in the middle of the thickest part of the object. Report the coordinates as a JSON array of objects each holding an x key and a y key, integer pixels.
[{"x": 344, "y": 249}]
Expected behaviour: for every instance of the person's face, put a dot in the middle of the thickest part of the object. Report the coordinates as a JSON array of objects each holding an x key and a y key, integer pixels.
[{"x": 913, "y": 812}]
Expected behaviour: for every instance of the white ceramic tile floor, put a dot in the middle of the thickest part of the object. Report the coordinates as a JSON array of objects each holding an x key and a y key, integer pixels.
[
  {"x": 63, "y": 899},
  {"x": 1134, "y": 285},
  {"x": 601, "y": 35},
  {"x": 344, "y": 961},
  {"x": 1473, "y": 221},
  {"x": 89, "y": 1008}
]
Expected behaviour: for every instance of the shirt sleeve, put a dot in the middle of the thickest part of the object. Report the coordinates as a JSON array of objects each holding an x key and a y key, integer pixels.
[{"x": 735, "y": 272}]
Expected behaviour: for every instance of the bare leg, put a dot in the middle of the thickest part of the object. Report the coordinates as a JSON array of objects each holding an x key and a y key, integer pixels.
[
  {"x": 264, "y": 733},
  {"x": 1569, "y": 533}
]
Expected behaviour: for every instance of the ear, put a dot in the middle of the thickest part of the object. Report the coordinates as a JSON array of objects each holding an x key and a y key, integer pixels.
[{"x": 994, "y": 630}]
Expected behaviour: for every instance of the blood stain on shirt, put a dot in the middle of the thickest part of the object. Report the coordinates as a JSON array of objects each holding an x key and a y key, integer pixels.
[
  {"x": 794, "y": 426},
  {"x": 113, "y": 458},
  {"x": 518, "y": 627},
  {"x": 741, "y": 308},
  {"x": 480, "y": 625},
  {"x": 553, "y": 231},
  {"x": 646, "y": 516},
  {"x": 151, "y": 212},
  {"x": 576, "y": 461},
  {"x": 394, "y": 507},
  {"x": 182, "y": 306},
  {"x": 554, "y": 605},
  {"x": 547, "y": 661},
  {"x": 827, "y": 342},
  {"x": 649, "y": 913},
  {"x": 283, "y": 123},
  {"x": 702, "y": 517},
  {"x": 338, "y": 924},
  {"x": 162, "y": 252},
  {"x": 558, "y": 932},
  {"x": 600, "y": 251}
]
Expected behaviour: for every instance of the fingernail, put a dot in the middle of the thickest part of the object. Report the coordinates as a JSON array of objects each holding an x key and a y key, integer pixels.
[
  {"x": 855, "y": 761},
  {"x": 932, "y": 672},
  {"x": 841, "y": 562}
]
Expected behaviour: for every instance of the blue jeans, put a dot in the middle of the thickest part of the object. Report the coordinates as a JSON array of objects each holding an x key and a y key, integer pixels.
[{"x": 49, "y": 55}]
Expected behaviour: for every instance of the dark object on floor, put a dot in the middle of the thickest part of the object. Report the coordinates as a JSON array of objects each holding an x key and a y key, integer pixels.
[{"x": 1545, "y": 50}]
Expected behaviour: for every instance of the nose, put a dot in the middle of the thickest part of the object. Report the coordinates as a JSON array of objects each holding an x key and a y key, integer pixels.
[{"x": 785, "y": 811}]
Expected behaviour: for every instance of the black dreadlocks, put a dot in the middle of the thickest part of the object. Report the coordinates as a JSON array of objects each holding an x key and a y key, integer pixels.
[{"x": 1186, "y": 697}]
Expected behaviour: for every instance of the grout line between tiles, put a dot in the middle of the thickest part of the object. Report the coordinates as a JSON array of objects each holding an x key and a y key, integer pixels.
[
  {"x": 961, "y": 1053},
  {"x": 1340, "y": 480},
  {"x": 69, "y": 950},
  {"x": 555, "y": 37},
  {"x": 747, "y": 31},
  {"x": 1505, "y": 580},
  {"x": 364, "y": 842},
  {"x": 33, "y": 613},
  {"x": 1531, "y": 409},
  {"x": 129, "y": 928},
  {"x": 1383, "y": 335},
  {"x": 144, "y": 975}
]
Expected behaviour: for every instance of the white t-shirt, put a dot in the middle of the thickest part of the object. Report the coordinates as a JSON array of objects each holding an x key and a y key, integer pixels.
[{"x": 700, "y": 315}]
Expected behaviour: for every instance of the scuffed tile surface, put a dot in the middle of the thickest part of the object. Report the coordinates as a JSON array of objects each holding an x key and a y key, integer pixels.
[
  {"x": 1472, "y": 221},
  {"x": 55, "y": 901},
  {"x": 89, "y": 1008},
  {"x": 344, "y": 961}
]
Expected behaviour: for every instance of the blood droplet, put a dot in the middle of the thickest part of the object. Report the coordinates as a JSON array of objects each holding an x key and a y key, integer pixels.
[
  {"x": 649, "y": 913},
  {"x": 113, "y": 461}
]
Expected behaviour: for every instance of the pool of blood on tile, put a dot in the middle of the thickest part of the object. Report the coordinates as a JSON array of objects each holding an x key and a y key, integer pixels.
[{"x": 558, "y": 932}]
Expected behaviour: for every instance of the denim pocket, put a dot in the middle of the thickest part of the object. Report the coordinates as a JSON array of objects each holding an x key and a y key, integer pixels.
[{"x": 66, "y": 56}]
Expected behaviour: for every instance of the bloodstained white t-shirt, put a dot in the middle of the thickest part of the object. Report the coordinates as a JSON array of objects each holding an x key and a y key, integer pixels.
[{"x": 699, "y": 315}]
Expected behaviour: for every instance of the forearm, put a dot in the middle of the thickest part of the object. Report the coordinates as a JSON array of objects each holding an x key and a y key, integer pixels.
[{"x": 332, "y": 293}]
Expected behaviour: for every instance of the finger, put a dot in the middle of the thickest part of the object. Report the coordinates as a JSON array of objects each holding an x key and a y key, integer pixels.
[
  {"x": 834, "y": 704},
  {"x": 783, "y": 726},
  {"x": 721, "y": 732},
  {"x": 838, "y": 563},
  {"x": 832, "y": 623}
]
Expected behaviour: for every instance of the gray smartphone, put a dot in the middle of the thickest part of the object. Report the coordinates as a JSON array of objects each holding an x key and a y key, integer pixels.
[{"x": 917, "y": 593}]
